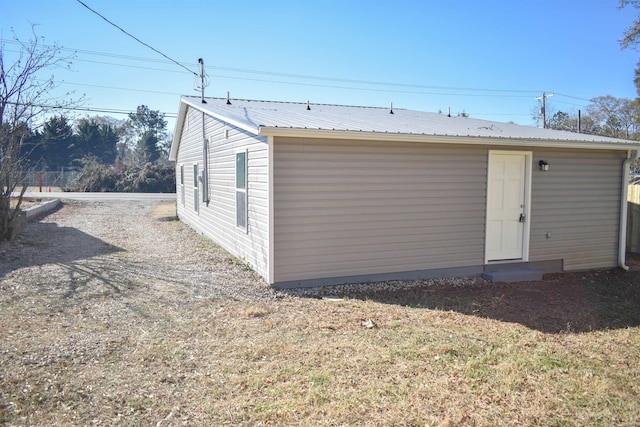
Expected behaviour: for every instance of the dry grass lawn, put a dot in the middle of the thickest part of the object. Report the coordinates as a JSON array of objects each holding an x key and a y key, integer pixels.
[
  {"x": 26, "y": 202},
  {"x": 147, "y": 353}
]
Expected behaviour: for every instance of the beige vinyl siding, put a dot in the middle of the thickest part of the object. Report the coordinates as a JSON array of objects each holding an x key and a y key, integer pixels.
[
  {"x": 345, "y": 208},
  {"x": 348, "y": 208},
  {"x": 218, "y": 220},
  {"x": 578, "y": 202}
]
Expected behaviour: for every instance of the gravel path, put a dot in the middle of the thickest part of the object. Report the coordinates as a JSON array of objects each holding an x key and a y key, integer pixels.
[
  {"x": 108, "y": 247},
  {"x": 119, "y": 243}
]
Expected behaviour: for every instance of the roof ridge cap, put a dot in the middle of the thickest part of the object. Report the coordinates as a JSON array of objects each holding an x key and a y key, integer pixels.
[{"x": 295, "y": 102}]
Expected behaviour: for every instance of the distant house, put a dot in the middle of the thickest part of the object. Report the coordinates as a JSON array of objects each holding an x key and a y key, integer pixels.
[{"x": 325, "y": 194}]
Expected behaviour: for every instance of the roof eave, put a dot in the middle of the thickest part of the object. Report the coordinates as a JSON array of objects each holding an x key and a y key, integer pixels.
[
  {"x": 222, "y": 117},
  {"x": 182, "y": 114},
  {"x": 448, "y": 139},
  {"x": 177, "y": 132}
]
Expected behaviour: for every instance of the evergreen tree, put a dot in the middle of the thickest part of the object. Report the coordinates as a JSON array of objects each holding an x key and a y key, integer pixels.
[
  {"x": 88, "y": 138},
  {"x": 149, "y": 128},
  {"x": 109, "y": 148},
  {"x": 148, "y": 150},
  {"x": 58, "y": 143},
  {"x": 96, "y": 139},
  {"x": 32, "y": 149}
]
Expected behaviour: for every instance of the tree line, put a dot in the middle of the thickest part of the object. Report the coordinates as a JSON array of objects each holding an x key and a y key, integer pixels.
[
  {"x": 604, "y": 116},
  {"x": 61, "y": 143}
]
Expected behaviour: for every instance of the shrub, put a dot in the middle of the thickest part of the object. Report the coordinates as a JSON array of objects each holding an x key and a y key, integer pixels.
[{"x": 149, "y": 178}]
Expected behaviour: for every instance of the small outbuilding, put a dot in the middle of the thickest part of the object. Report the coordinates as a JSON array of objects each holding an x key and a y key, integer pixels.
[{"x": 313, "y": 195}]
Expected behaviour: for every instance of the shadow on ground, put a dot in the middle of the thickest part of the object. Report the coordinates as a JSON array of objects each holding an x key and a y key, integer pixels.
[
  {"x": 561, "y": 303},
  {"x": 46, "y": 243}
]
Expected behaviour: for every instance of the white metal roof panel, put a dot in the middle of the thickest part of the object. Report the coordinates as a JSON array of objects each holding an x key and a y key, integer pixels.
[{"x": 256, "y": 116}]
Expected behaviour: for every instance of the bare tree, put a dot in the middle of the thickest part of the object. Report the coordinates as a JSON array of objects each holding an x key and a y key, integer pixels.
[
  {"x": 25, "y": 97},
  {"x": 605, "y": 110}
]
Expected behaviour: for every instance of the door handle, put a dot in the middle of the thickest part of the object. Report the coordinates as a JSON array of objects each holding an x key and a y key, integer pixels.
[{"x": 522, "y": 217}]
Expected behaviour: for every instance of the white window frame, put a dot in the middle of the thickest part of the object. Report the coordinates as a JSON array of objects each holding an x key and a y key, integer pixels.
[
  {"x": 196, "y": 188},
  {"x": 244, "y": 190},
  {"x": 182, "y": 193}
]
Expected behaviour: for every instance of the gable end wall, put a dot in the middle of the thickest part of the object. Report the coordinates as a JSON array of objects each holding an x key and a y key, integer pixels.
[{"x": 217, "y": 220}]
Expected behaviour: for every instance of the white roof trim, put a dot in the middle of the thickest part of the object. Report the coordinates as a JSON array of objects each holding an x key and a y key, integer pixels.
[
  {"x": 177, "y": 132},
  {"x": 291, "y": 119},
  {"x": 182, "y": 114},
  {"x": 231, "y": 121},
  {"x": 443, "y": 139}
]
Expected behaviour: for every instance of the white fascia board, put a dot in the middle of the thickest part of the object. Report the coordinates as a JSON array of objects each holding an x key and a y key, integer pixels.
[
  {"x": 177, "y": 132},
  {"x": 226, "y": 119},
  {"x": 443, "y": 139}
]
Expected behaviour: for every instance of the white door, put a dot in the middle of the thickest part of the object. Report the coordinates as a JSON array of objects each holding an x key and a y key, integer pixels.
[{"x": 507, "y": 206}]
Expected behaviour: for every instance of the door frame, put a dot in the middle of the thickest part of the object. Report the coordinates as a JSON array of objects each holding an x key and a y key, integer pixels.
[{"x": 526, "y": 232}]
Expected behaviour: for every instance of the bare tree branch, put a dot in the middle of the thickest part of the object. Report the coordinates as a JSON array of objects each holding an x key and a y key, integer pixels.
[{"x": 25, "y": 97}]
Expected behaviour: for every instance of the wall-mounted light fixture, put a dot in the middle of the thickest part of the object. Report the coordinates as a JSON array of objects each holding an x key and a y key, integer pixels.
[{"x": 544, "y": 166}]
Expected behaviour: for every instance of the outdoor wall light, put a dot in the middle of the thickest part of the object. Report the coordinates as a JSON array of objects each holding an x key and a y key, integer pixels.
[{"x": 544, "y": 166}]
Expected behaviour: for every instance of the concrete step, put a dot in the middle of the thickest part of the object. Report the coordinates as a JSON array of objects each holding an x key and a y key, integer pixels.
[{"x": 508, "y": 276}]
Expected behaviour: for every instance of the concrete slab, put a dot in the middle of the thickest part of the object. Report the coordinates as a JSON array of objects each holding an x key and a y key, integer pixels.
[{"x": 508, "y": 276}]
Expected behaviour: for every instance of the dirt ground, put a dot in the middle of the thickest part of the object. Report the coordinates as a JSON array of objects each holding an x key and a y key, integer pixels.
[{"x": 114, "y": 313}]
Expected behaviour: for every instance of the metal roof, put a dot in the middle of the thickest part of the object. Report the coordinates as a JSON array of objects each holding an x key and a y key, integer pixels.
[{"x": 301, "y": 118}]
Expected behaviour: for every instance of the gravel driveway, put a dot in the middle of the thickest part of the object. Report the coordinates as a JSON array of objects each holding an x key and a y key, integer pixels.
[{"x": 108, "y": 246}]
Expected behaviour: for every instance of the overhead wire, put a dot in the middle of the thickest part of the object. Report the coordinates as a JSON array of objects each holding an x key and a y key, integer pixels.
[
  {"x": 369, "y": 89},
  {"x": 116, "y": 64},
  {"x": 222, "y": 76},
  {"x": 92, "y": 109},
  {"x": 295, "y": 76},
  {"x": 134, "y": 37},
  {"x": 489, "y": 92},
  {"x": 116, "y": 88}
]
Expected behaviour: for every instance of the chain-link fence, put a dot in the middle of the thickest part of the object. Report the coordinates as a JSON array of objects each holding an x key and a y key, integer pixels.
[{"x": 62, "y": 180}]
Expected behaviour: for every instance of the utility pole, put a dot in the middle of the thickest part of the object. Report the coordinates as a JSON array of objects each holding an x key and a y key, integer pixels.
[
  {"x": 543, "y": 108},
  {"x": 579, "y": 120}
]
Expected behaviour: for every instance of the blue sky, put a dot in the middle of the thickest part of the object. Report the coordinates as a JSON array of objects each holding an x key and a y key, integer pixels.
[{"x": 488, "y": 58}]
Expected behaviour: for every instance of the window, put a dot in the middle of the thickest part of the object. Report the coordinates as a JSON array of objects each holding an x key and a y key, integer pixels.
[
  {"x": 195, "y": 175},
  {"x": 195, "y": 187},
  {"x": 241, "y": 190},
  {"x": 182, "y": 197}
]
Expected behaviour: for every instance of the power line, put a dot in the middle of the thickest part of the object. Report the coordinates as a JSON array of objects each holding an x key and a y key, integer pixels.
[
  {"x": 497, "y": 93},
  {"x": 573, "y": 97},
  {"x": 306, "y": 77},
  {"x": 135, "y": 38},
  {"x": 118, "y": 65},
  {"x": 93, "y": 110},
  {"x": 95, "y": 53},
  {"x": 291, "y": 75},
  {"x": 222, "y": 76},
  {"x": 118, "y": 88},
  {"x": 369, "y": 89}
]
